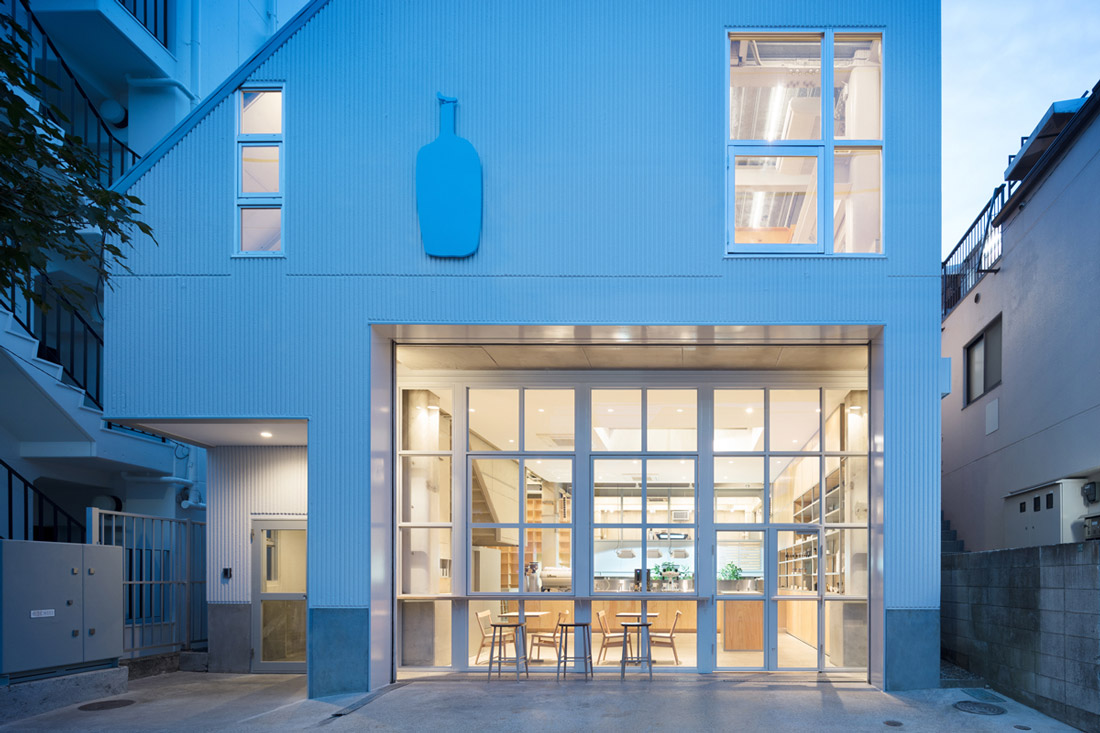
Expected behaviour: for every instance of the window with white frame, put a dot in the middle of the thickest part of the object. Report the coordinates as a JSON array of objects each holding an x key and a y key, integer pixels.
[
  {"x": 259, "y": 171},
  {"x": 793, "y": 148},
  {"x": 983, "y": 362}
]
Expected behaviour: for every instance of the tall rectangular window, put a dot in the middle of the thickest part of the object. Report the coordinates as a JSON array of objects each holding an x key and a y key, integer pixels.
[
  {"x": 259, "y": 171},
  {"x": 794, "y": 146},
  {"x": 983, "y": 362}
]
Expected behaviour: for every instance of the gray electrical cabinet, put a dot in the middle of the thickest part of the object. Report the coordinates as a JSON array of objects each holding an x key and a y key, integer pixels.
[{"x": 60, "y": 605}]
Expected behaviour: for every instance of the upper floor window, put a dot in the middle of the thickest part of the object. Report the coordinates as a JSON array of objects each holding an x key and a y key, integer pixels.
[
  {"x": 983, "y": 362},
  {"x": 792, "y": 148},
  {"x": 259, "y": 171}
]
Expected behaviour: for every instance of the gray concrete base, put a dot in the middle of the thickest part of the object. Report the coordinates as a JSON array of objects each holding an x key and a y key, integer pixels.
[
  {"x": 229, "y": 628},
  {"x": 152, "y": 665},
  {"x": 193, "y": 661},
  {"x": 339, "y": 651},
  {"x": 912, "y": 642},
  {"x": 24, "y": 699}
]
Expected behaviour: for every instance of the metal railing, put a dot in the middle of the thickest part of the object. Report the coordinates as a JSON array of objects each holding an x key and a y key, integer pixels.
[
  {"x": 975, "y": 253},
  {"x": 153, "y": 14},
  {"x": 135, "y": 431},
  {"x": 64, "y": 336},
  {"x": 164, "y": 579},
  {"x": 82, "y": 118},
  {"x": 33, "y": 516}
]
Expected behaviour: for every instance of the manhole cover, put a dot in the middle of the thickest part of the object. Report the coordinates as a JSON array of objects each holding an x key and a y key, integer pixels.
[
  {"x": 105, "y": 705},
  {"x": 979, "y": 708}
]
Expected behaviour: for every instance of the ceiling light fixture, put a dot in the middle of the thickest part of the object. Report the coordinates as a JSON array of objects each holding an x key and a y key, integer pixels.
[{"x": 266, "y": 434}]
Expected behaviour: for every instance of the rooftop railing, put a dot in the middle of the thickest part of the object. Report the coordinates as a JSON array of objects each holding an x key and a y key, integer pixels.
[{"x": 975, "y": 253}]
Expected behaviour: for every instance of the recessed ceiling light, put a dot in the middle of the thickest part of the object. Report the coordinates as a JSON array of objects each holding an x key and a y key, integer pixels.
[
  {"x": 610, "y": 410},
  {"x": 854, "y": 407},
  {"x": 433, "y": 407},
  {"x": 472, "y": 410},
  {"x": 541, "y": 410},
  {"x": 748, "y": 410},
  {"x": 818, "y": 409},
  {"x": 511, "y": 441},
  {"x": 679, "y": 409},
  {"x": 265, "y": 434}
]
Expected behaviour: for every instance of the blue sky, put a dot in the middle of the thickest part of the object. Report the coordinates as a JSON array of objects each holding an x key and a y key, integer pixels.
[{"x": 1004, "y": 63}]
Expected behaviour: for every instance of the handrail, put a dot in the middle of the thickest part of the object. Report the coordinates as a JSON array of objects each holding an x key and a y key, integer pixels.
[
  {"x": 155, "y": 20},
  {"x": 30, "y": 500},
  {"x": 64, "y": 336},
  {"x": 69, "y": 98},
  {"x": 975, "y": 253}
]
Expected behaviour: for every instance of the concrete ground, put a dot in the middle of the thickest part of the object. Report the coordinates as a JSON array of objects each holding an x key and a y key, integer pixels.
[{"x": 195, "y": 701}]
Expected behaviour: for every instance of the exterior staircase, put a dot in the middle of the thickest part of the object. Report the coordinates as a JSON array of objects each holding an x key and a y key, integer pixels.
[{"x": 949, "y": 538}]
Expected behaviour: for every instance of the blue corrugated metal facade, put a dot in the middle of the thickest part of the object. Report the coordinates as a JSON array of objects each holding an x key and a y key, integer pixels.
[{"x": 600, "y": 128}]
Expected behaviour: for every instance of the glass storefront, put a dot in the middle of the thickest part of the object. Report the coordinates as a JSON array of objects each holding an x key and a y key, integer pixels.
[{"x": 732, "y": 517}]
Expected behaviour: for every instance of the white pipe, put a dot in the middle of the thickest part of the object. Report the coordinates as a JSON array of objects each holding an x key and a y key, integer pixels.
[
  {"x": 166, "y": 82},
  {"x": 158, "y": 479},
  {"x": 188, "y": 504}
]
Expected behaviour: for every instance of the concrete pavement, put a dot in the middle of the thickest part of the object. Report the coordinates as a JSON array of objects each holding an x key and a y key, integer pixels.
[{"x": 195, "y": 701}]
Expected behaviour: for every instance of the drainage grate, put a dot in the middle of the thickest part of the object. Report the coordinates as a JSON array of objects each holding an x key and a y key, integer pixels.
[
  {"x": 979, "y": 694},
  {"x": 93, "y": 707},
  {"x": 979, "y": 708}
]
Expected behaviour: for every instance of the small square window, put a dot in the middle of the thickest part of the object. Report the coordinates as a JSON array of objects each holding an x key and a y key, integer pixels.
[
  {"x": 261, "y": 112},
  {"x": 260, "y": 169},
  {"x": 1050, "y": 501},
  {"x": 261, "y": 230},
  {"x": 1036, "y": 504}
]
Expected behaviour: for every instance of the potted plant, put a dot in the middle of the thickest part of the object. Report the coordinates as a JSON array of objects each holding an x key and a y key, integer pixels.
[{"x": 728, "y": 577}]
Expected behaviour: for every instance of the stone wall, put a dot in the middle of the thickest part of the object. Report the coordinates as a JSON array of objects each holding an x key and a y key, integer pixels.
[{"x": 1028, "y": 621}]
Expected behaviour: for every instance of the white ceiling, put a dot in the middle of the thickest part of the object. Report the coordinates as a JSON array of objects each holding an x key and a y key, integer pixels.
[
  {"x": 574, "y": 356},
  {"x": 222, "y": 433}
]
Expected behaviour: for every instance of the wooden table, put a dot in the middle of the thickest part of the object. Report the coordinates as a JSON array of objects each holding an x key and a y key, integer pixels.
[{"x": 532, "y": 614}]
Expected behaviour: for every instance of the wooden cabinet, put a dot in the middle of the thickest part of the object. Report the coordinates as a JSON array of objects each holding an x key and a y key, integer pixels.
[{"x": 743, "y": 626}]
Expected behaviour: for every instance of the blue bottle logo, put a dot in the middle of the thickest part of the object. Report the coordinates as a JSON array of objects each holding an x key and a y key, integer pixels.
[{"x": 448, "y": 190}]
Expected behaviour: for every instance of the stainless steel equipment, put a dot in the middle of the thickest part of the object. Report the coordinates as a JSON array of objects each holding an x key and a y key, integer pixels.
[{"x": 556, "y": 578}]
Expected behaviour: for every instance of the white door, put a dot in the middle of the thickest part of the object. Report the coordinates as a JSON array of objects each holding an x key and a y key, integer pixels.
[{"x": 279, "y": 596}]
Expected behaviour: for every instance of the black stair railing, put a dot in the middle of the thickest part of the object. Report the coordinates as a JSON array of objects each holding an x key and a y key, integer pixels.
[
  {"x": 64, "y": 335},
  {"x": 975, "y": 253},
  {"x": 153, "y": 14},
  {"x": 34, "y": 516},
  {"x": 81, "y": 117}
]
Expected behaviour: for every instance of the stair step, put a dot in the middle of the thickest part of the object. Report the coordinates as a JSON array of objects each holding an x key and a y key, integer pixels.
[
  {"x": 945, "y": 524},
  {"x": 949, "y": 535},
  {"x": 951, "y": 546}
]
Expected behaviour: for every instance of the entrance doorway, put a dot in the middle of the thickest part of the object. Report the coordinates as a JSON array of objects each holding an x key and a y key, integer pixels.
[{"x": 279, "y": 596}]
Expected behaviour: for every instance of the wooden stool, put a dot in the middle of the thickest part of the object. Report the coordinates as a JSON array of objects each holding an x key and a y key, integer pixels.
[
  {"x": 519, "y": 643},
  {"x": 645, "y": 653},
  {"x": 585, "y": 638}
]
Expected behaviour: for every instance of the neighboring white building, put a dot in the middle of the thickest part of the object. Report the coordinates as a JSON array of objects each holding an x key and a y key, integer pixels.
[
  {"x": 1021, "y": 426},
  {"x": 700, "y": 331},
  {"x": 126, "y": 73}
]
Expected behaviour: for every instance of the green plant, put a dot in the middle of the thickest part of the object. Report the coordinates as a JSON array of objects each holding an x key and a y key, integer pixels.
[
  {"x": 665, "y": 567},
  {"x": 730, "y": 572}
]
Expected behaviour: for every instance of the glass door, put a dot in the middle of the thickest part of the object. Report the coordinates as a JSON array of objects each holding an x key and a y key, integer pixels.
[{"x": 279, "y": 596}]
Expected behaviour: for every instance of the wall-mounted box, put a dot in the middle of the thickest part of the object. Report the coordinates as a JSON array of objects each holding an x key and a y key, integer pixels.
[
  {"x": 1051, "y": 514},
  {"x": 60, "y": 605}
]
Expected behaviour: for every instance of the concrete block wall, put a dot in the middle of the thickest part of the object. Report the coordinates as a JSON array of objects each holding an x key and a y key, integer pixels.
[{"x": 1028, "y": 621}]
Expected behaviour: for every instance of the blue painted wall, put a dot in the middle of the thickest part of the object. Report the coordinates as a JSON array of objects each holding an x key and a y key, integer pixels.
[{"x": 601, "y": 130}]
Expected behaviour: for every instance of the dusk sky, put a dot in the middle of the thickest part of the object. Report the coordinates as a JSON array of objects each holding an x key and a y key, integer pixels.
[{"x": 1004, "y": 63}]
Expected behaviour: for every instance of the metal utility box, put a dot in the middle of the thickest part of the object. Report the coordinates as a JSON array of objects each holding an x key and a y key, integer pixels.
[
  {"x": 1046, "y": 515},
  {"x": 60, "y": 605}
]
